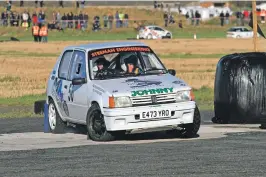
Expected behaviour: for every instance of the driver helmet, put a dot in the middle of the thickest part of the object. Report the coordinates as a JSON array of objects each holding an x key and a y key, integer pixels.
[
  {"x": 132, "y": 59},
  {"x": 100, "y": 61}
]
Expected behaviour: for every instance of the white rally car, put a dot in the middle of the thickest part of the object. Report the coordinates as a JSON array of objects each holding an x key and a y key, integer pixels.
[
  {"x": 153, "y": 32},
  {"x": 115, "y": 88},
  {"x": 239, "y": 32}
]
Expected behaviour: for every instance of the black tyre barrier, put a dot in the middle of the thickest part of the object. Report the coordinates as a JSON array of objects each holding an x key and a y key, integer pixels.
[
  {"x": 39, "y": 106},
  {"x": 240, "y": 89}
]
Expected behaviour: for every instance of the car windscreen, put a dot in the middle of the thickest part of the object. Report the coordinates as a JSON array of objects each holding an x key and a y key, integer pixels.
[{"x": 121, "y": 62}]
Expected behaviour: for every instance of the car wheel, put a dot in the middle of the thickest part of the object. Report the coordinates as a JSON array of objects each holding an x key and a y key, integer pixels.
[
  {"x": 149, "y": 36},
  {"x": 168, "y": 35},
  {"x": 56, "y": 124},
  {"x": 237, "y": 36},
  {"x": 191, "y": 130},
  {"x": 96, "y": 126}
]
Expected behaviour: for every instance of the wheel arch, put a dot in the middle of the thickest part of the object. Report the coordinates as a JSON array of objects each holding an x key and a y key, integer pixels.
[{"x": 49, "y": 99}]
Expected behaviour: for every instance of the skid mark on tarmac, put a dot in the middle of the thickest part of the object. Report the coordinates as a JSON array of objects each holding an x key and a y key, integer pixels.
[{"x": 39, "y": 140}]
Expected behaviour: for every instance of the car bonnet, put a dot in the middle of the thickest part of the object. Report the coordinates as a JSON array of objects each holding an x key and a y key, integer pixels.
[{"x": 135, "y": 86}]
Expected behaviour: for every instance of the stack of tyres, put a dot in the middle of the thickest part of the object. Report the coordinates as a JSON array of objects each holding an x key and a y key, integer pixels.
[{"x": 240, "y": 88}]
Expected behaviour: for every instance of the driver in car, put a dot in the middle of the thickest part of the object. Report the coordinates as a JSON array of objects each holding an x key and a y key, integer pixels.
[
  {"x": 101, "y": 64},
  {"x": 131, "y": 63}
]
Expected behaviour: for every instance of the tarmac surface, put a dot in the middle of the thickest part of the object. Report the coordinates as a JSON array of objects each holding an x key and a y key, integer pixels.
[{"x": 220, "y": 150}]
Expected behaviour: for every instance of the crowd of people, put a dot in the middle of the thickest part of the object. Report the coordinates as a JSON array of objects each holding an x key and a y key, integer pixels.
[{"x": 66, "y": 20}]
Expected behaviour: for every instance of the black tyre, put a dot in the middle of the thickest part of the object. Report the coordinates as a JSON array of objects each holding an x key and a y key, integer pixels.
[
  {"x": 96, "y": 125},
  {"x": 168, "y": 36},
  {"x": 191, "y": 130},
  {"x": 56, "y": 124}
]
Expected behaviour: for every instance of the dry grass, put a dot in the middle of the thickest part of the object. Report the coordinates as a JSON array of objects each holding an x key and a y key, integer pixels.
[
  {"x": 196, "y": 72},
  {"x": 28, "y": 75},
  {"x": 24, "y": 75}
]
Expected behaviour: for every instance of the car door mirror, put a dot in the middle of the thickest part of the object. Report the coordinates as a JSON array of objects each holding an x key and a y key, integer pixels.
[
  {"x": 79, "y": 81},
  {"x": 172, "y": 72}
]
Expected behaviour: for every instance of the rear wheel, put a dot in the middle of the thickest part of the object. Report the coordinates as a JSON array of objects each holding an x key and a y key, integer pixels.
[
  {"x": 56, "y": 124},
  {"x": 96, "y": 126}
]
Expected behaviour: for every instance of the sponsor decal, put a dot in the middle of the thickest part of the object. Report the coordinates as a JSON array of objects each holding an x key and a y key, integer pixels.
[
  {"x": 135, "y": 83},
  {"x": 151, "y": 91},
  {"x": 179, "y": 83},
  {"x": 119, "y": 49}
]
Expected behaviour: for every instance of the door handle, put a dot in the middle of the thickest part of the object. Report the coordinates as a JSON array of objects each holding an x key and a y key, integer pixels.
[{"x": 65, "y": 86}]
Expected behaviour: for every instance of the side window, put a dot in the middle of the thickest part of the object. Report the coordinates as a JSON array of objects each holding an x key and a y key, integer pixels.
[
  {"x": 64, "y": 65},
  {"x": 78, "y": 65},
  {"x": 158, "y": 29}
]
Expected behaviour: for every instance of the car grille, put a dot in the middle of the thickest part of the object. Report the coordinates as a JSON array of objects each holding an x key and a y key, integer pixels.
[{"x": 147, "y": 100}]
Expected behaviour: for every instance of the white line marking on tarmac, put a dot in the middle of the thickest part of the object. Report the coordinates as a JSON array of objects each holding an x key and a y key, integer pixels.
[{"x": 39, "y": 140}]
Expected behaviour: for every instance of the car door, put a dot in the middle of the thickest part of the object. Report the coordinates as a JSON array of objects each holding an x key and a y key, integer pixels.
[
  {"x": 61, "y": 82},
  {"x": 160, "y": 32},
  {"x": 77, "y": 94}
]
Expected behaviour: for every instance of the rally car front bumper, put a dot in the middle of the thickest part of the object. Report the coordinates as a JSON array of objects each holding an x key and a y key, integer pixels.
[{"x": 131, "y": 118}]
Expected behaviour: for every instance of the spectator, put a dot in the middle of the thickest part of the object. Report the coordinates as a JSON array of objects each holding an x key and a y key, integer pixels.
[
  {"x": 34, "y": 18},
  {"x": 82, "y": 3},
  {"x": 36, "y": 4},
  {"x": 126, "y": 20},
  {"x": 96, "y": 24},
  {"x": 61, "y": 3},
  {"x": 41, "y": 3},
  {"x": 187, "y": 17},
  {"x": 171, "y": 19},
  {"x": 197, "y": 15},
  {"x": 64, "y": 21},
  {"x": 117, "y": 19},
  {"x": 110, "y": 20},
  {"x": 105, "y": 21},
  {"x": 81, "y": 20},
  {"x": 8, "y": 7},
  {"x": 25, "y": 18},
  {"x": 5, "y": 18},
  {"x": 58, "y": 17},
  {"x": 165, "y": 16},
  {"x": 75, "y": 20},
  {"x": 121, "y": 18},
  {"x": 222, "y": 18},
  {"x": 77, "y": 3},
  {"x": 227, "y": 15},
  {"x": 21, "y": 4},
  {"x": 86, "y": 19}
]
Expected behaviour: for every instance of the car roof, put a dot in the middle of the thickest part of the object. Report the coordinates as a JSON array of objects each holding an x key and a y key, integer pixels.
[
  {"x": 153, "y": 26},
  {"x": 238, "y": 27},
  {"x": 102, "y": 45}
]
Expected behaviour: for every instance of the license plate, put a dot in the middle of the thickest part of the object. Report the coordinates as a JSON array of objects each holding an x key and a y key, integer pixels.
[{"x": 155, "y": 114}]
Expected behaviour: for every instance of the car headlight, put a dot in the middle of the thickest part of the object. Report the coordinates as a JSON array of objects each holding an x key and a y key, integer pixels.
[
  {"x": 119, "y": 102},
  {"x": 182, "y": 96}
]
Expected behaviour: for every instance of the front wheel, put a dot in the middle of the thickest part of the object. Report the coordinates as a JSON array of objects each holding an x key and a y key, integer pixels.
[
  {"x": 149, "y": 36},
  {"x": 191, "y": 130},
  {"x": 96, "y": 126}
]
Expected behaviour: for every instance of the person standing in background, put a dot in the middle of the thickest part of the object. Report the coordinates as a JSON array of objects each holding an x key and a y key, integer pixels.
[
  {"x": 35, "y": 32},
  {"x": 44, "y": 33}
]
